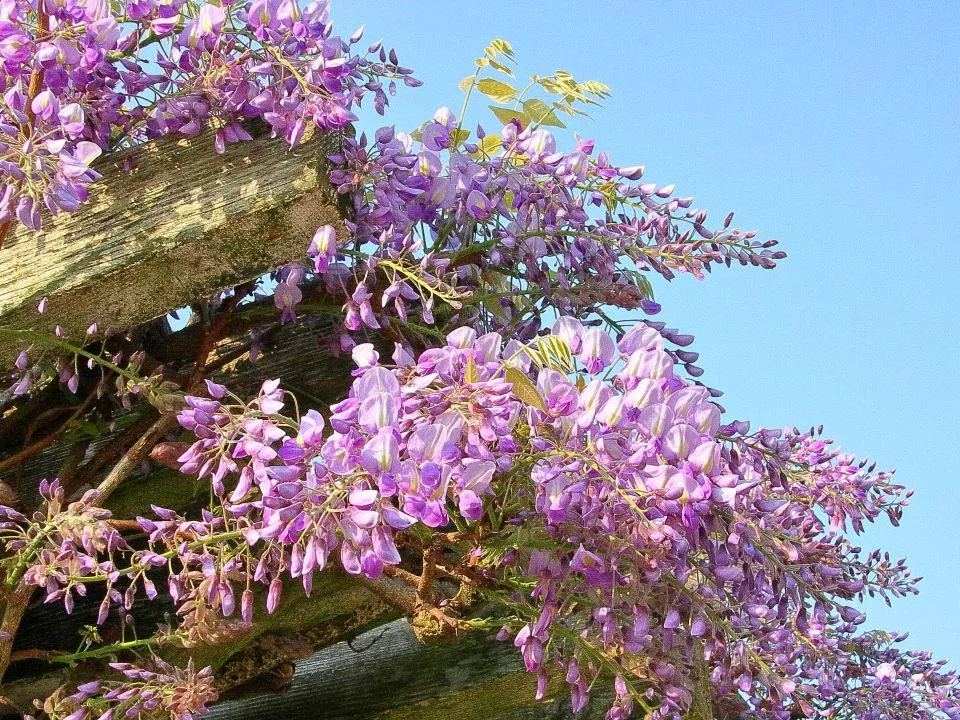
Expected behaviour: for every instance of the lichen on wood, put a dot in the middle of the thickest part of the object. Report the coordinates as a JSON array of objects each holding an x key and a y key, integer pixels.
[{"x": 182, "y": 224}]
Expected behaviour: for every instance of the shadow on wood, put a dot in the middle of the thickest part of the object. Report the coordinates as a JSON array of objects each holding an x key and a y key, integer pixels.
[{"x": 387, "y": 674}]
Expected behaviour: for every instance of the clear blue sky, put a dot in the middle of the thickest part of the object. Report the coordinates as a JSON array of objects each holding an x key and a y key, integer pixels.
[{"x": 832, "y": 127}]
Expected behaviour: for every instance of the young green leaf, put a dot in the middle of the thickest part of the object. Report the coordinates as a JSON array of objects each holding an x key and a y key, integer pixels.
[
  {"x": 501, "y": 47},
  {"x": 458, "y": 137},
  {"x": 497, "y": 65},
  {"x": 541, "y": 113},
  {"x": 470, "y": 373},
  {"x": 488, "y": 146},
  {"x": 507, "y": 115},
  {"x": 525, "y": 390},
  {"x": 494, "y": 307},
  {"x": 555, "y": 353},
  {"x": 497, "y": 90}
]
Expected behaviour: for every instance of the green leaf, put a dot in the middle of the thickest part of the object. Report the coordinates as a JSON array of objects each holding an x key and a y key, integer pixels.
[
  {"x": 488, "y": 146},
  {"x": 496, "y": 65},
  {"x": 595, "y": 87},
  {"x": 470, "y": 373},
  {"x": 501, "y": 47},
  {"x": 523, "y": 536},
  {"x": 457, "y": 137},
  {"x": 494, "y": 307},
  {"x": 643, "y": 284},
  {"x": 497, "y": 90},
  {"x": 525, "y": 390},
  {"x": 506, "y": 115},
  {"x": 498, "y": 49},
  {"x": 555, "y": 353},
  {"x": 540, "y": 112}
]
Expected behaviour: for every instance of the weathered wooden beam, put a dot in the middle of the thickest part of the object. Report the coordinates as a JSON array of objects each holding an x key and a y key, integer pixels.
[
  {"x": 245, "y": 660},
  {"x": 181, "y": 225},
  {"x": 387, "y": 674}
]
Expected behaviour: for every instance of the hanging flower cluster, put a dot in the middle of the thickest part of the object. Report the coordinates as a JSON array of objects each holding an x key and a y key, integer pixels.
[
  {"x": 64, "y": 544},
  {"x": 597, "y": 493},
  {"x": 80, "y": 78},
  {"x": 508, "y": 225},
  {"x": 145, "y": 692}
]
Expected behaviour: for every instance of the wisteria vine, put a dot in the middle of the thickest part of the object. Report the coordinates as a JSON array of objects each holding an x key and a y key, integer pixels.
[{"x": 522, "y": 442}]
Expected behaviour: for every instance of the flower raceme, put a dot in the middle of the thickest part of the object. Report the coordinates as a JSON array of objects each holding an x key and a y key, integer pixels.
[
  {"x": 158, "y": 688},
  {"x": 83, "y": 78},
  {"x": 596, "y": 495},
  {"x": 655, "y": 514},
  {"x": 62, "y": 545},
  {"x": 501, "y": 230}
]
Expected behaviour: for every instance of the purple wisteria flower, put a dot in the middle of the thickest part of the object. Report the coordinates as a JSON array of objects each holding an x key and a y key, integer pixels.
[
  {"x": 147, "y": 690},
  {"x": 145, "y": 69},
  {"x": 633, "y": 480},
  {"x": 641, "y": 514},
  {"x": 528, "y": 214}
]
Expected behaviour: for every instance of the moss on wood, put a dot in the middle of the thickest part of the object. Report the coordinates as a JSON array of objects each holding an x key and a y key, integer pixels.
[{"x": 184, "y": 223}]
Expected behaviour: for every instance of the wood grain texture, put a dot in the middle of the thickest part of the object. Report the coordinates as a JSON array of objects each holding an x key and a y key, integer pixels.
[
  {"x": 387, "y": 674},
  {"x": 183, "y": 224},
  {"x": 245, "y": 659}
]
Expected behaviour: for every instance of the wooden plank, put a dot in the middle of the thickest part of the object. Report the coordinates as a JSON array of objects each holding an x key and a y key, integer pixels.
[
  {"x": 184, "y": 223},
  {"x": 387, "y": 674},
  {"x": 249, "y": 661}
]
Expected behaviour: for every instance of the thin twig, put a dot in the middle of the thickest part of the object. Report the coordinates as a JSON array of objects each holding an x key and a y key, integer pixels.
[
  {"x": 46, "y": 441},
  {"x": 36, "y": 79},
  {"x": 394, "y": 592},
  {"x": 428, "y": 571},
  {"x": 134, "y": 456},
  {"x": 125, "y": 524},
  {"x": 401, "y": 574},
  {"x": 32, "y": 654}
]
